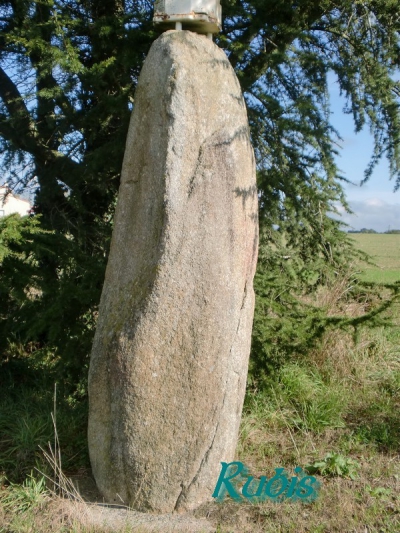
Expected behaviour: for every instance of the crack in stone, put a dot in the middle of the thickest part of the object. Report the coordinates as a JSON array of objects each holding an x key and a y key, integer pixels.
[
  {"x": 185, "y": 490},
  {"x": 213, "y": 141},
  {"x": 240, "y": 313}
]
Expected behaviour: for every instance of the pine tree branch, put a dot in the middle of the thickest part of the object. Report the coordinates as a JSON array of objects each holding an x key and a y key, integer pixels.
[
  {"x": 336, "y": 33},
  {"x": 21, "y": 120},
  {"x": 290, "y": 25},
  {"x": 9, "y": 133},
  {"x": 20, "y": 129}
]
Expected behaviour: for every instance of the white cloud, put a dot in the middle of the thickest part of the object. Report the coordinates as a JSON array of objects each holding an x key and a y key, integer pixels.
[
  {"x": 372, "y": 214},
  {"x": 375, "y": 202}
]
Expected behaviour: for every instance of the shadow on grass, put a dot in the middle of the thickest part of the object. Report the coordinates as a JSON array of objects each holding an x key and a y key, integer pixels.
[
  {"x": 377, "y": 426},
  {"x": 26, "y": 404}
]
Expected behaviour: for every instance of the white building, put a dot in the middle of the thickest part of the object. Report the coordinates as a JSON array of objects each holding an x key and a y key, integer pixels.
[{"x": 10, "y": 203}]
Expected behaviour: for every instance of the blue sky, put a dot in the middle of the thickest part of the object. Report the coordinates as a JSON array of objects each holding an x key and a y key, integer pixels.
[{"x": 375, "y": 205}]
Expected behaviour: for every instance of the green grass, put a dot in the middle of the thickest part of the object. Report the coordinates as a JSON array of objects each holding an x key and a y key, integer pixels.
[
  {"x": 385, "y": 252},
  {"x": 337, "y": 415},
  {"x": 335, "y": 409},
  {"x": 26, "y": 425},
  {"x": 20, "y": 498}
]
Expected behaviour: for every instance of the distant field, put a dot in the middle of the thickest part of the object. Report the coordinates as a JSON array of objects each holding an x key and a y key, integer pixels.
[{"x": 385, "y": 252}]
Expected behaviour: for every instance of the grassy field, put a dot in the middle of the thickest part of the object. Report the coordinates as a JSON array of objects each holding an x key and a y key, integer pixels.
[
  {"x": 384, "y": 250},
  {"x": 334, "y": 412}
]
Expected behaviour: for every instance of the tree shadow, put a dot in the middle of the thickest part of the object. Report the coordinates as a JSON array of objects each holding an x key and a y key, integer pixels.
[{"x": 378, "y": 426}]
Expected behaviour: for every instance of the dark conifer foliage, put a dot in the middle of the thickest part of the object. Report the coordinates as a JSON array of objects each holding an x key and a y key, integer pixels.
[{"x": 68, "y": 71}]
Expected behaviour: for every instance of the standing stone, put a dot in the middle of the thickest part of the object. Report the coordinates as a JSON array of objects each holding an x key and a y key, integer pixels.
[{"x": 169, "y": 362}]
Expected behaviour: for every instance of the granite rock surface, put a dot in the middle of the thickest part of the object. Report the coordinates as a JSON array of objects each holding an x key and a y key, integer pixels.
[{"x": 170, "y": 356}]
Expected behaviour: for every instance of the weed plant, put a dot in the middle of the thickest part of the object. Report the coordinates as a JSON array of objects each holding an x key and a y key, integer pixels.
[
  {"x": 30, "y": 494},
  {"x": 334, "y": 464}
]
